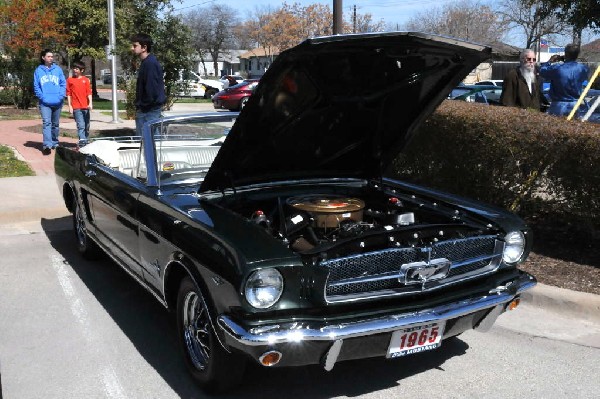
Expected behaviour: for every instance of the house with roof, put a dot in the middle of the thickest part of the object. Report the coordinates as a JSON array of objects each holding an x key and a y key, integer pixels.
[
  {"x": 228, "y": 63},
  {"x": 591, "y": 52},
  {"x": 504, "y": 57},
  {"x": 254, "y": 63}
]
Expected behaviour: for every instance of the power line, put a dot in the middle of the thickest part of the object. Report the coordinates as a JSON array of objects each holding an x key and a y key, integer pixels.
[{"x": 194, "y": 5}]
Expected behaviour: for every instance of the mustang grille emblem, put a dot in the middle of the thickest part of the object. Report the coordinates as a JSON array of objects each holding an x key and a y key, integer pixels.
[{"x": 424, "y": 271}]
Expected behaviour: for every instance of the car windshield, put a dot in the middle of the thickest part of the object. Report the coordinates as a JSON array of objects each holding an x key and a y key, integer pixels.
[
  {"x": 250, "y": 83},
  {"x": 240, "y": 85},
  {"x": 186, "y": 147}
]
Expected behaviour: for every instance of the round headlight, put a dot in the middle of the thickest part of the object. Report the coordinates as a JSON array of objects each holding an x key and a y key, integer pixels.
[
  {"x": 514, "y": 247},
  {"x": 263, "y": 288}
]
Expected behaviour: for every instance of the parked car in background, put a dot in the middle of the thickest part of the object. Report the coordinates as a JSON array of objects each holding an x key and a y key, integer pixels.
[
  {"x": 493, "y": 82},
  {"x": 235, "y": 98},
  {"x": 201, "y": 88},
  {"x": 107, "y": 79},
  {"x": 593, "y": 96},
  {"x": 486, "y": 94},
  {"x": 231, "y": 80},
  {"x": 282, "y": 243},
  {"x": 193, "y": 85}
]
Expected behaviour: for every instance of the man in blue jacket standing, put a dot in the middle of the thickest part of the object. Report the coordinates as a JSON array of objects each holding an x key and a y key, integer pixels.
[
  {"x": 49, "y": 85},
  {"x": 566, "y": 80},
  {"x": 150, "y": 86}
]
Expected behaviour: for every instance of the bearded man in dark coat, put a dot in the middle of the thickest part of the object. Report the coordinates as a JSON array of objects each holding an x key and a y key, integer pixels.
[{"x": 521, "y": 87}]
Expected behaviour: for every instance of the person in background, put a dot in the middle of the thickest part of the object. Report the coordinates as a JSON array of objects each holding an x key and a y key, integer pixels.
[
  {"x": 521, "y": 87},
  {"x": 49, "y": 86},
  {"x": 231, "y": 80},
  {"x": 79, "y": 97},
  {"x": 566, "y": 80},
  {"x": 150, "y": 86}
]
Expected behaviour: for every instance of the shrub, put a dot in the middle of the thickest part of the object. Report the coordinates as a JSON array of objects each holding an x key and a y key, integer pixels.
[
  {"x": 16, "y": 78},
  {"x": 522, "y": 160},
  {"x": 128, "y": 86}
]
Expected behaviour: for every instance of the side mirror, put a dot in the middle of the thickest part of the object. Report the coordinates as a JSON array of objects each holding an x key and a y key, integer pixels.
[{"x": 90, "y": 159}]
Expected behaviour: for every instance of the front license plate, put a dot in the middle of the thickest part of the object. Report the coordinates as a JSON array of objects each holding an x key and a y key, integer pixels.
[{"x": 416, "y": 339}]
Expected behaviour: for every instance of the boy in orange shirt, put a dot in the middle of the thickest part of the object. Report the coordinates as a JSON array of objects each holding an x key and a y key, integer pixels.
[{"x": 79, "y": 96}]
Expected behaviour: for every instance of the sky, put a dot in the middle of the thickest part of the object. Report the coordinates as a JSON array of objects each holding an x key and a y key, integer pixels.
[
  {"x": 395, "y": 13},
  {"x": 391, "y": 11}
]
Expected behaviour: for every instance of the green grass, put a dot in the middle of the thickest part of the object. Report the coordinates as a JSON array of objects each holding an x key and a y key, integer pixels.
[
  {"x": 11, "y": 113},
  {"x": 189, "y": 100},
  {"x": 10, "y": 166},
  {"x": 106, "y": 105},
  {"x": 122, "y": 114}
]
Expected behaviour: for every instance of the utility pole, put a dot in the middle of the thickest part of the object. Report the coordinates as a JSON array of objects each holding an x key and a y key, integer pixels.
[
  {"x": 354, "y": 20},
  {"x": 113, "y": 60},
  {"x": 337, "y": 17}
]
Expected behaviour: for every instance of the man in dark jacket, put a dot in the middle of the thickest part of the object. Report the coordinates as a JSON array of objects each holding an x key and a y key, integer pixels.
[
  {"x": 521, "y": 87},
  {"x": 150, "y": 86}
]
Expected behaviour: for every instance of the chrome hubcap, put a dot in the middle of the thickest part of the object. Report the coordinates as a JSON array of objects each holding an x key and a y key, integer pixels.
[{"x": 195, "y": 330}]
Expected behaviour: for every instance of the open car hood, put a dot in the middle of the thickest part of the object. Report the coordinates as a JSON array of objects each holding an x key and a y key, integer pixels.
[{"x": 340, "y": 106}]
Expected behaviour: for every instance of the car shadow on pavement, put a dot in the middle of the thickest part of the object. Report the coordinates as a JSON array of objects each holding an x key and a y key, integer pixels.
[{"x": 151, "y": 329}]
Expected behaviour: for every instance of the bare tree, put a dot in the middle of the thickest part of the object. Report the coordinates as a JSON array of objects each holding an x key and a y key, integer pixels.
[
  {"x": 288, "y": 25},
  {"x": 363, "y": 23},
  {"x": 467, "y": 20},
  {"x": 212, "y": 31},
  {"x": 534, "y": 18}
]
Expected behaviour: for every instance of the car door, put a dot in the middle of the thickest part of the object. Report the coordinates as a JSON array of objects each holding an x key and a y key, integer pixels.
[
  {"x": 157, "y": 223},
  {"x": 113, "y": 196}
]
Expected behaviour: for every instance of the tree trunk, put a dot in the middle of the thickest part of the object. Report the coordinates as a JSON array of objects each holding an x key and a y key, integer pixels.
[
  {"x": 577, "y": 35},
  {"x": 95, "y": 95},
  {"x": 216, "y": 67}
]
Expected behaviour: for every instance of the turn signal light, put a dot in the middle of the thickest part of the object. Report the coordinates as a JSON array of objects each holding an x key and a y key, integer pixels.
[
  {"x": 513, "y": 304},
  {"x": 270, "y": 358}
]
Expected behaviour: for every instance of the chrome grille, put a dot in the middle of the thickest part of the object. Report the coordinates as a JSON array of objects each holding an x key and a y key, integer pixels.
[{"x": 378, "y": 273}]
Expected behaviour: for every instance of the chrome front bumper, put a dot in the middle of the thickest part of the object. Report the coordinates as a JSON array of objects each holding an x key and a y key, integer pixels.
[{"x": 494, "y": 301}]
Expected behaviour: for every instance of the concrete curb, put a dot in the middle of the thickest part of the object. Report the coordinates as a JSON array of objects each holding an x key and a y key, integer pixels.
[
  {"x": 567, "y": 302},
  {"x": 17, "y": 154}
]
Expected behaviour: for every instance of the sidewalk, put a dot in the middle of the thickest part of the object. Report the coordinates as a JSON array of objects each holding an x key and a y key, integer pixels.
[
  {"x": 29, "y": 145},
  {"x": 25, "y": 137},
  {"x": 26, "y": 200}
]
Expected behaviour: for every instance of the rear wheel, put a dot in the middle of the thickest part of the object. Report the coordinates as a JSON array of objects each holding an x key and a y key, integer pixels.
[
  {"x": 86, "y": 246},
  {"x": 209, "y": 363},
  {"x": 210, "y": 93}
]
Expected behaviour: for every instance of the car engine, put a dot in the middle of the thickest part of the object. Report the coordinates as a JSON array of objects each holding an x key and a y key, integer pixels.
[{"x": 333, "y": 225}]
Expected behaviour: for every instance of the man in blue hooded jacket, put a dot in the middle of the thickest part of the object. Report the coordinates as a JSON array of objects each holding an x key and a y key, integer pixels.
[
  {"x": 49, "y": 85},
  {"x": 566, "y": 80}
]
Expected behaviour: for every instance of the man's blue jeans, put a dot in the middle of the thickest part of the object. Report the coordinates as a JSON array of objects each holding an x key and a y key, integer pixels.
[
  {"x": 142, "y": 117},
  {"x": 50, "y": 120},
  {"x": 82, "y": 118}
]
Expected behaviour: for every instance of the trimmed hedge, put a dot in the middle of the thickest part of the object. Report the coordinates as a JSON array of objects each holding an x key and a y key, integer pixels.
[{"x": 522, "y": 160}]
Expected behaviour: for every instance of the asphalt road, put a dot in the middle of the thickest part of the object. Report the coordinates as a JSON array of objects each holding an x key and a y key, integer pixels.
[{"x": 70, "y": 328}]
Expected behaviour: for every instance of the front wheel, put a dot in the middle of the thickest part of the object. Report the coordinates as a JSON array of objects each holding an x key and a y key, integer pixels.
[
  {"x": 209, "y": 363},
  {"x": 243, "y": 102},
  {"x": 87, "y": 247}
]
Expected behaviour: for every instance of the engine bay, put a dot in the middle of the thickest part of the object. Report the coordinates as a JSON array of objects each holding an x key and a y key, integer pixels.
[{"x": 333, "y": 224}]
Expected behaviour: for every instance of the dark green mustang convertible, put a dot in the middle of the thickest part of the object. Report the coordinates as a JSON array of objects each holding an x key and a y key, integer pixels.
[{"x": 274, "y": 235}]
